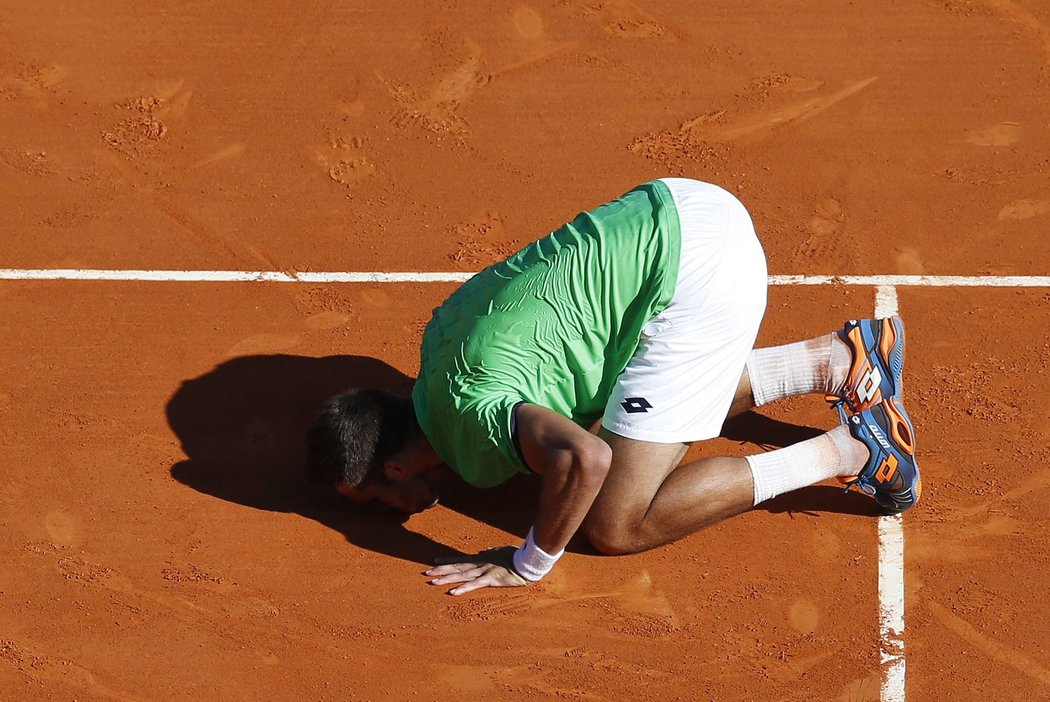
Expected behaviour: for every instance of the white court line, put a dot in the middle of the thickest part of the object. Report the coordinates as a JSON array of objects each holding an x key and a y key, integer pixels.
[
  {"x": 891, "y": 567},
  {"x": 229, "y": 276},
  {"x": 998, "y": 281},
  {"x": 938, "y": 281}
]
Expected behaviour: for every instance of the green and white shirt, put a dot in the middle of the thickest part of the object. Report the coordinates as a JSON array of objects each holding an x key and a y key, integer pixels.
[{"x": 553, "y": 325}]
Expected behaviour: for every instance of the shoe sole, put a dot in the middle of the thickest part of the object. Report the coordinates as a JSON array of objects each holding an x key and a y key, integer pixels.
[{"x": 903, "y": 434}]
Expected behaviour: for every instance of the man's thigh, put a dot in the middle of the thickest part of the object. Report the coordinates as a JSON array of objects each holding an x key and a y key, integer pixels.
[{"x": 638, "y": 470}]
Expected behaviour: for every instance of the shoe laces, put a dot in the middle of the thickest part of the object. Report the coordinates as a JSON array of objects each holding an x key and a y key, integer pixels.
[
  {"x": 861, "y": 484},
  {"x": 837, "y": 401}
]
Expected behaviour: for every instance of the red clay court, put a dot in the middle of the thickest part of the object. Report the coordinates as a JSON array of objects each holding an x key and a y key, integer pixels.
[{"x": 185, "y": 188}]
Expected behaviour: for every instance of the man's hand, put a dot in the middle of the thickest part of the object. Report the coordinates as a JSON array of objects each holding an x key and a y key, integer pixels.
[{"x": 491, "y": 568}]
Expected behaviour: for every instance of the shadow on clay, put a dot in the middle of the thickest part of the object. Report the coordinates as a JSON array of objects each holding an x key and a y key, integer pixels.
[
  {"x": 766, "y": 432},
  {"x": 243, "y": 427},
  {"x": 823, "y": 499}
]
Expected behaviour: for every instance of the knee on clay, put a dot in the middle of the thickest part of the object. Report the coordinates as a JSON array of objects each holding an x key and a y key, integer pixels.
[{"x": 613, "y": 540}]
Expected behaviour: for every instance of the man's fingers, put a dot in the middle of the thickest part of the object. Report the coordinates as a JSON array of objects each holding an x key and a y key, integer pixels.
[
  {"x": 488, "y": 569},
  {"x": 460, "y": 576},
  {"x": 475, "y": 584}
]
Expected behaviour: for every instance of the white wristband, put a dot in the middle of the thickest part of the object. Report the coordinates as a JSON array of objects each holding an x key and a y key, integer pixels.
[{"x": 532, "y": 562}]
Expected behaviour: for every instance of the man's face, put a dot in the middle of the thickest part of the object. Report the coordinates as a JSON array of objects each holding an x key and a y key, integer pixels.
[{"x": 410, "y": 490}]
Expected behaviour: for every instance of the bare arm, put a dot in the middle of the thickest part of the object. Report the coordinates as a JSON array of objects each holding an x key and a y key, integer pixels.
[{"x": 573, "y": 464}]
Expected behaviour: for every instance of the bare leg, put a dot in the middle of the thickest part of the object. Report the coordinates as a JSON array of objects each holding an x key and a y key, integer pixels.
[
  {"x": 649, "y": 500},
  {"x": 743, "y": 399},
  {"x": 632, "y": 513},
  {"x": 646, "y": 501}
]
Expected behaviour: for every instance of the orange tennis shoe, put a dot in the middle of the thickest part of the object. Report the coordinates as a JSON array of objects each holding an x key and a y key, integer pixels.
[
  {"x": 877, "y": 350},
  {"x": 891, "y": 474}
]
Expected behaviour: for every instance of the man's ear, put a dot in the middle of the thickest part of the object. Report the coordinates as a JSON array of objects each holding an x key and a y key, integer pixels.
[
  {"x": 394, "y": 469},
  {"x": 403, "y": 464}
]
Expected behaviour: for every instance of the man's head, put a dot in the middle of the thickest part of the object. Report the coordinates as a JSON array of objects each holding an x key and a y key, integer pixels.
[{"x": 368, "y": 446}]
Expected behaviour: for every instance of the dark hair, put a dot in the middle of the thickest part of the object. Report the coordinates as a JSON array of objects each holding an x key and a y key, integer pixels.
[{"x": 355, "y": 433}]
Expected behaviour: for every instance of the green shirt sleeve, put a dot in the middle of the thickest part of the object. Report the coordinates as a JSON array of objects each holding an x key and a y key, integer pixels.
[{"x": 485, "y": 429}]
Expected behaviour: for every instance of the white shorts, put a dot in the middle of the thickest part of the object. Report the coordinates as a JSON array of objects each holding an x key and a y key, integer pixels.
[{"x": 681, "y": 381}]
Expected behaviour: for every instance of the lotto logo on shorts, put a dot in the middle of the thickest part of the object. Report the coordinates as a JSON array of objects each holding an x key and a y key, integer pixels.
[{"x": 634, "y": 405}]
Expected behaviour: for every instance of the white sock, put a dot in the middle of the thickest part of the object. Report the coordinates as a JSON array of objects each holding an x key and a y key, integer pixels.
[
  {"x": 835, "y": 453},
  {"x": 815, "y": 365}
]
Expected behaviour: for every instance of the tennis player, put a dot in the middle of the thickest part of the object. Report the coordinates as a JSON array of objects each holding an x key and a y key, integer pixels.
[{"x": 592, "y": 358}]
